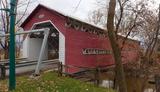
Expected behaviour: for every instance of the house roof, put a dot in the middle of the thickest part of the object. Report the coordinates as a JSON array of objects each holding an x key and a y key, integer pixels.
[{"x": 58, "y": 12}]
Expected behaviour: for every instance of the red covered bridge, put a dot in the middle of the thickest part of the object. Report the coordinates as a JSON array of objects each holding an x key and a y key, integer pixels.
[{"x": 78, "y": 43}]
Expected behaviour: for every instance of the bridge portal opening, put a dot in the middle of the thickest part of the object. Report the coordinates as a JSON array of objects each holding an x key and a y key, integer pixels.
[{"x": 36, "y": 39}]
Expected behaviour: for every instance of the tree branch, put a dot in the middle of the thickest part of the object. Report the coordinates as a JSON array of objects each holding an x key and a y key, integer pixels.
[
  {"x": 157, "y": 33},
  {"x": 24, "y": 12}
]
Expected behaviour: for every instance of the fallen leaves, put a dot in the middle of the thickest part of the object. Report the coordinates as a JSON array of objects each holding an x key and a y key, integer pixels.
[{"x": 3, "y": 87}]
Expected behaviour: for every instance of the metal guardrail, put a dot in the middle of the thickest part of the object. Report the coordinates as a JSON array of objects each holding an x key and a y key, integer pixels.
[
  {"x": 60, "y": 69},
  {"x": 5, "y": 65}
]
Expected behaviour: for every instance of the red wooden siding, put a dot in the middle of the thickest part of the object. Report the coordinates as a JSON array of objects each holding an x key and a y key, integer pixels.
[{"x": 76, "y": 41}]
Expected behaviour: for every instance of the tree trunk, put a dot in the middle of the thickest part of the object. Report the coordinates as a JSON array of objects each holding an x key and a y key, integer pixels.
[
  {"x": 6, "y": 55},
  {"x": 115, "y": 47}
]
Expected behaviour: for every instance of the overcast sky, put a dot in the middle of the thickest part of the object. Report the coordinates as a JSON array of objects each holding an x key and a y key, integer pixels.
[{"x": 68, "y": 6}]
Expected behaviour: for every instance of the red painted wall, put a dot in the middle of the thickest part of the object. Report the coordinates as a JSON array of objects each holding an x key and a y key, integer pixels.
[
  {"x": 57, "y": 19},
  {"x": 76, "y": 40}
]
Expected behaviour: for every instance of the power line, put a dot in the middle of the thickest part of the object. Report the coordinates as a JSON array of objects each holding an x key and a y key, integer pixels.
[{"x": 77, "y": 6}]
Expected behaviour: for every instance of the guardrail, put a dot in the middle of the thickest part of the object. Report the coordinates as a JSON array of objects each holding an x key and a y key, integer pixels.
[
  {"x": 5, "y": 65},
  {"x": 60, "y": 68}
]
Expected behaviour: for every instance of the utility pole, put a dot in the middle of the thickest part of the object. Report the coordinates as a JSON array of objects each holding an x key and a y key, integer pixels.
[{"x": 12, "y": 78}]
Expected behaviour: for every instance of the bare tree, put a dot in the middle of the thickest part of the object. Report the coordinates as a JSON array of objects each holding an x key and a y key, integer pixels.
[
  {"x": 148, "y": 30},
  {"x": 135, "y": 18},
  {"x": 116, "y": 50},
  {"x": 21, "y": 6},
  {"x": 127, "y": 18}
]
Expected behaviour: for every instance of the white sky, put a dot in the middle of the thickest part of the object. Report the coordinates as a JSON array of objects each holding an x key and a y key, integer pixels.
[{"x": 68, "y": 6}]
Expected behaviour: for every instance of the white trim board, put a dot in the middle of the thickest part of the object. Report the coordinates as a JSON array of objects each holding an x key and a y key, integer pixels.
[{"x": 61, "y": 40}]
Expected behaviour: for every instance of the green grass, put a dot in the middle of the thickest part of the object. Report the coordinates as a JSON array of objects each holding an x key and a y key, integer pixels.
[{"x": 50, "y": 82}]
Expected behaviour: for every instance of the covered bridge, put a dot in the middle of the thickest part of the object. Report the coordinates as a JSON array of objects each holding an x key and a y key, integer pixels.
[{"x": 77, "y": 43}]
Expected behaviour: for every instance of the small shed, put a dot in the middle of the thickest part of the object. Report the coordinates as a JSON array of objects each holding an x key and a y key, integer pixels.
[{"x": 77, "y": 43}]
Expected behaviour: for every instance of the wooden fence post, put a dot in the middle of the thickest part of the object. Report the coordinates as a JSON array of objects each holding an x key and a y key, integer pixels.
[
  {"x": 157, "y": 82},
  {"x": 3, "y": 72},
  {"x": 97, "y": 79},
  {"x": 60, "y": 68}
]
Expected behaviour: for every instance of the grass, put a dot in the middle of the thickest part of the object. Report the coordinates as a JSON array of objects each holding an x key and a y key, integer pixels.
[{"x": 50, "y": 82}]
